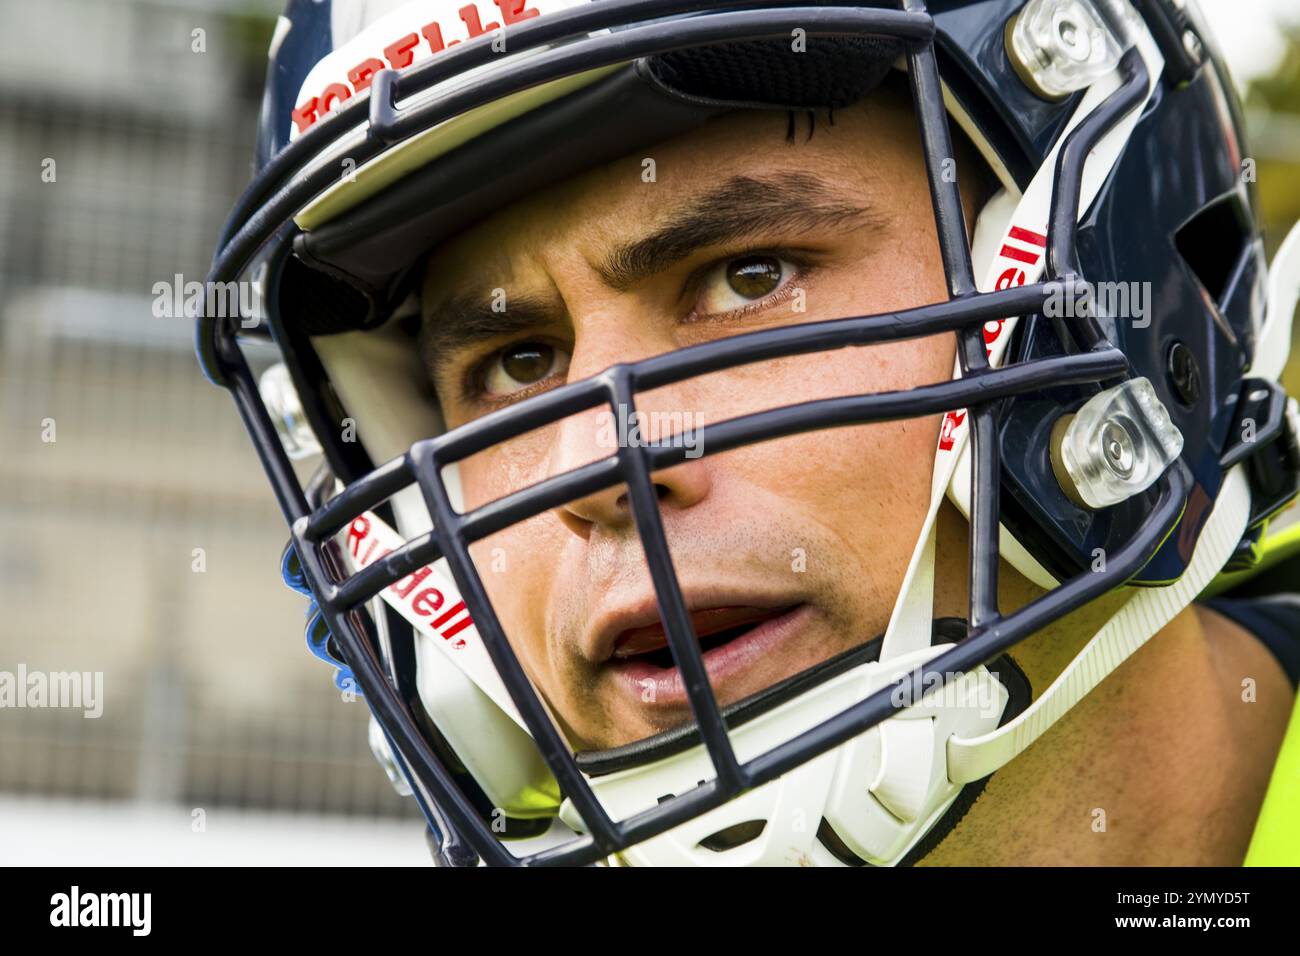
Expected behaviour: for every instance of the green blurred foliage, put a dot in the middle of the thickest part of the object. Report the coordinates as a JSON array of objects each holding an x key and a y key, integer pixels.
[
  {"x": 1273, "y": 111},
  {"x": 250, "y": 28}
]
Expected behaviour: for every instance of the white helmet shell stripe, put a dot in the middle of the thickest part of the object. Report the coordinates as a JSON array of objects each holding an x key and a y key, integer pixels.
[{"x": 408, "y": 36}]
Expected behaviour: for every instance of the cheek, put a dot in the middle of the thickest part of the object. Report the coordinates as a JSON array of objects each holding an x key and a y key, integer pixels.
[
  {"x": 512, "y": 568},
  {"x": 512, "y": 563},
  {"x": 872, "y": 478},
  {"x": 505, "y": 468},
  {"x": 905, "y": 275},
  {"x": 869, "y": 485}
]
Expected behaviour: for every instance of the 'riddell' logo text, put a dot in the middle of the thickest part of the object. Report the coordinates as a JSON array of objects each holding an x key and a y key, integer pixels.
[
  {"x": 402, "y": 52},
  {"x": 1028, "y": 248},
  {"x": 102, "y": 909}
]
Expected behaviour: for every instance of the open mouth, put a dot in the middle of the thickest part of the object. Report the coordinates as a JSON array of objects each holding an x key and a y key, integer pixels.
[{"x": 714, "y": 628}]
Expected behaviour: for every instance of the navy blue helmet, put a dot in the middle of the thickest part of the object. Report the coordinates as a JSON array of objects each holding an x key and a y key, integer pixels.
[{"x": 1113, "y": 424}]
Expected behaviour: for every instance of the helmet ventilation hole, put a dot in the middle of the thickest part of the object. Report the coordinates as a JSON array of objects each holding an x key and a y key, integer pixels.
[
  {"x": 1211, "y": 243},
  {"x": 828, "y": 838},
  {"x": 733, "y": 836}
]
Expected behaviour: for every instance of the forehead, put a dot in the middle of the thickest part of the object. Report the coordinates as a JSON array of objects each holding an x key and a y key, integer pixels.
[{"x": 865, "y": 152}]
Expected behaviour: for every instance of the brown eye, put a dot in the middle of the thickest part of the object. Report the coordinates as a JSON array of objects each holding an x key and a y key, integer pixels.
[
  {"x": 754, "y": 276},
  {"x": 522, "y": 364},
  {"x": 740, "y": 282},
  {"x": 528, "y": 363}
]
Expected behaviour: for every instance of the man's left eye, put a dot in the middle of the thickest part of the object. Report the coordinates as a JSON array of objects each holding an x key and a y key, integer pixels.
[
  {"x": 520, "y": 365},
  {"x": 739, "y": 282}
]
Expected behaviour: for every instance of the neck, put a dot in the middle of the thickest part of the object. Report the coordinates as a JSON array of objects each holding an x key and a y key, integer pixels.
[{"x": 1165, "y": 763}]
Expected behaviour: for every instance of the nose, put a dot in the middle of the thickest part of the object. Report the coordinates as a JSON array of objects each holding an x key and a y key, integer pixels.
[{"x": 588, "y": 437}]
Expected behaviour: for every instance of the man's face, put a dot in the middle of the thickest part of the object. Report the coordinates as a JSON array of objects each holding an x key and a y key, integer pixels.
[{"x": 788, "y": 551}]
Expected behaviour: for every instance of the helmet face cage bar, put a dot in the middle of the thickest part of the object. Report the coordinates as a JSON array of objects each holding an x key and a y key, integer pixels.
[{"x": 264, "y": 216}]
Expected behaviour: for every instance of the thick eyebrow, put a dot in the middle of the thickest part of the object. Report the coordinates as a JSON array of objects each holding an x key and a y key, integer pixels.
[{"x": 740, "y": 208}]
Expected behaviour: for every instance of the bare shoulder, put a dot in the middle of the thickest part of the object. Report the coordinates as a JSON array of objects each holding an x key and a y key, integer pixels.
[
  {"x": 1247, "y": 666},
  {"x": 1257, "y": 699}
]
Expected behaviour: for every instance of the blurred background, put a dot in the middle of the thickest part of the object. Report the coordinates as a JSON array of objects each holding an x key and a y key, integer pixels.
[
  {"x": 211, "y": 700},
  {"x": 143, "y": 542}
]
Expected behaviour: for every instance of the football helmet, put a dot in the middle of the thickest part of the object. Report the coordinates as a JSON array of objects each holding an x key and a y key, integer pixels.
[{"x": 1093, "y": 453}]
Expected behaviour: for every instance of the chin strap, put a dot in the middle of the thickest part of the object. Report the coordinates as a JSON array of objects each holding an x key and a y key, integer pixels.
[{"x": 1141, "y": 617}]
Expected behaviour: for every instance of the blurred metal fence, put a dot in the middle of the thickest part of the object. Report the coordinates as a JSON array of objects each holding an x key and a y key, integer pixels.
[{"x": 142, "y": 542}]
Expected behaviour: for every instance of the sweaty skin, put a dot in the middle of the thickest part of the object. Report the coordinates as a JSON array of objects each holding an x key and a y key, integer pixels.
[{"x": 737, "y": 229}]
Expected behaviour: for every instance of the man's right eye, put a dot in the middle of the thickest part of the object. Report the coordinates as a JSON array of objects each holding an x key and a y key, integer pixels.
[{"x": 516, "y": 367}]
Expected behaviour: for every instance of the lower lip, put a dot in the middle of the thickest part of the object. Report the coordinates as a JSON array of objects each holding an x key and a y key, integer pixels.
[{"x": 657, "y": 686}]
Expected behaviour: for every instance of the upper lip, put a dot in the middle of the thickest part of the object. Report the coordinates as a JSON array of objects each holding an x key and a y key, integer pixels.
[{"x": 607, "y": 627}]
